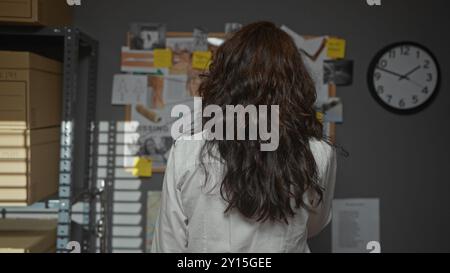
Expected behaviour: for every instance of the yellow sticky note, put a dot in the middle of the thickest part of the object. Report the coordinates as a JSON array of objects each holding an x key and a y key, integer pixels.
[
  {"x": 319, "y": 116},
  {"x": 142, "y": 167},
  {"x": 162, "y": 58},
  {"x": 201, "y": 59},
  {"x": 336, "y": 48}
]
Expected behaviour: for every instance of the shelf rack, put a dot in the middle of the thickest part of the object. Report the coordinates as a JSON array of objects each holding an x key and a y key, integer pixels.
[{"x": 79, "y": 132}]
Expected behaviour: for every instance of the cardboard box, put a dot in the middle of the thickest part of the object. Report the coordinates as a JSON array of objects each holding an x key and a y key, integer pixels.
[
  {"x": 27, "y": 235},
  {"x": 35, "y": 12},
  {"x": 30, "y": 91},
  {"x": 24, "y": 181}
]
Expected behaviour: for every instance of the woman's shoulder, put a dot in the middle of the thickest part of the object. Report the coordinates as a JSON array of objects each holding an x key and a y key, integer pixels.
[
  {"x": 189, "y": 142},
  {"x": 192, "y": 143},
  {"x": 322, "y": 151},
  {"x": 186, "y": 149}
]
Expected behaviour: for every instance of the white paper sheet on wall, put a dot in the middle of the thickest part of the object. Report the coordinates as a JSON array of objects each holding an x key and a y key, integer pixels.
[
  {"x": 356, "y": 226},
  {"x": 334, "y": 110},
  {"x": 129, "y": 89},
  {"x": 314, "y": 53}
]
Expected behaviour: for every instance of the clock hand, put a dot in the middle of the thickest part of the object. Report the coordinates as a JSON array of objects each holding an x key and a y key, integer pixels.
[
  {"x": 401, "y": 76},
  {"x": 415, "y": 83},
  {"x": 406, "y": 76},
  {"x": 388, "y": 71}
]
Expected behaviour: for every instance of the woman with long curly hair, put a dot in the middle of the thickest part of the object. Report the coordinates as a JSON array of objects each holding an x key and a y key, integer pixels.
[{"x": 222, "y": 195}]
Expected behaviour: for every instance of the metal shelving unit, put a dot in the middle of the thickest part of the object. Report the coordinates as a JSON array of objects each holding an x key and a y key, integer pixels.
[{"x": 79, "y": 127}]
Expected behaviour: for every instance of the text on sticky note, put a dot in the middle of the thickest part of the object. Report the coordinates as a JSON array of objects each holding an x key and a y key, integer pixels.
[
  {"x": 162, "y": 58},
  {"x": 336, "y": 48},
  {"x": 201, "y": 59}
]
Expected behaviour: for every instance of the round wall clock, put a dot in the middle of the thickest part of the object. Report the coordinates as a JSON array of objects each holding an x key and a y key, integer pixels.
[{"x": 404, "y": 77}]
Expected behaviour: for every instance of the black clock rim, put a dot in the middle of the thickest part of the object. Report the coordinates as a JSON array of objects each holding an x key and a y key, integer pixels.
[{"x": 374, "y": 93}]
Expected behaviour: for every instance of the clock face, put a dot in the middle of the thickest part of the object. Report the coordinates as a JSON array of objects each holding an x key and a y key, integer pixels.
[{"x": 404, "y": 77}]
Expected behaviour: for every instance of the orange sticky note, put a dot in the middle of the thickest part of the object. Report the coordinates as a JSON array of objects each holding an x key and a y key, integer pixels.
[
  {"x": 142, "y": 167},
  {"x": 201, "y": 59},
  {"x": 336, "y": 48},
  {"x": 162, "y": 58}
]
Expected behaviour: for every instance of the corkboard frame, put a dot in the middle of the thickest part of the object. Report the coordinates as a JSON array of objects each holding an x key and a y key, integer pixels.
[
  {"x": 185, "y": 34},
  {"x": 180, "y": 34},
  {"x": 332, "y": 93}
]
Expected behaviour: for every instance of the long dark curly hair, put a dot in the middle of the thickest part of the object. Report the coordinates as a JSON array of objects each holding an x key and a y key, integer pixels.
[{"x": 261, "y": 65}]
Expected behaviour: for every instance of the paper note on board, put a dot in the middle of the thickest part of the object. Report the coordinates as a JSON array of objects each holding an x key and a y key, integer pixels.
[
  {"x": 356, "y": 225},
  {"x": 336, "y": 48},
  {"x": 201, "y": 59},
  {"x": 162, "y": 58},
  {"x": 129, "y": 89},
  {"x": 314, "y": 54},
  {"x": 142, "y": 167},
  {"x": 333, "y": 110}
]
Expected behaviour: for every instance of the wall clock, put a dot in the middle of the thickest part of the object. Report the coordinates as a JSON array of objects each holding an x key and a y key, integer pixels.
[{"x": 404, "y": 77}]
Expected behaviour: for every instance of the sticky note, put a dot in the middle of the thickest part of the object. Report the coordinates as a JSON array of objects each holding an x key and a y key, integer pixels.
[
  {"x": 319, "y": 116},
  {"x": 336, "y": 48},
  {"x": 162, "y": 58},
  {"x": 201, "y": 59},
  {"x": 142, "y": 167}
]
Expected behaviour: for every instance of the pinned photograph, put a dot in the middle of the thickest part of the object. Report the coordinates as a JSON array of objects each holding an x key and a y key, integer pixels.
[
  {"x": 147, "y": 36},
  {"x": 339, "y": 72},
  {"x": 200, "y": 39},
  {"x": 182, "y": 48},
  {"x": 333, "y": 110},
  {"x": 232, "y": 27}
]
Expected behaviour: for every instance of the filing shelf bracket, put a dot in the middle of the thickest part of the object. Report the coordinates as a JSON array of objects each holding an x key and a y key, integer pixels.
[
  {"x": 89, "y": 211},
  {"x": 67, "y": 134},
  {"x": 107, "y": 196}
]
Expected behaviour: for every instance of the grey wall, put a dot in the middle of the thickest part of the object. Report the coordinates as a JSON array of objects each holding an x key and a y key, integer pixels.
[{"x": 401, "y": 159}]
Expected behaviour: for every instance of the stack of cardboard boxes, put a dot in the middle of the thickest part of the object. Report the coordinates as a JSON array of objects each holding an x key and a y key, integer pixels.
[
  {"x": 30, "y": 119},
  {"x": 27, "y": 236},
  {"x": 35, "y": 12}
]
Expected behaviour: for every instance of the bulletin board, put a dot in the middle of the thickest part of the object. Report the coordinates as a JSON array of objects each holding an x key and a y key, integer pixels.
[{"x": 178, "y": 71}]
